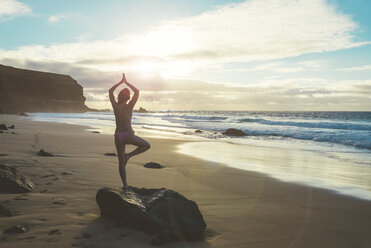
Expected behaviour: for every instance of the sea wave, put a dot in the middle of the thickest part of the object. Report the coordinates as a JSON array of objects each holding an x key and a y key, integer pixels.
[{"x": 326, "y": 125}]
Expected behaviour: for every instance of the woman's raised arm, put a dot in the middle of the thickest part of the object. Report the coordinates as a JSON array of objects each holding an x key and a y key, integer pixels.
[{"x": 112, "y": 89}]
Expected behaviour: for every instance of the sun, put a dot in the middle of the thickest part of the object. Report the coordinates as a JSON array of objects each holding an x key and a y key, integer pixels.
[{"x": 145, "y": 68}]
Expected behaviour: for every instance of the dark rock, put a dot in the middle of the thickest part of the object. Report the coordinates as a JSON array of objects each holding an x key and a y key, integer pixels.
[
  {"x": 34, "y": 91},
  {"x": 141, "y": 110},
  {"x": 234, "y": 132},
  {"x": 198, "y": 131},
  {"x": 3, "y": 127},
  {"x": 12, "y": 181},
  {"x": 22, "y": 114},
  {"x": 153, "y": 165},
  {"x": 4, "y": 211},
  {"x": 3, "y": 154},
  {"x": 162, "y": 212},
  {"x": 15, "y": 229},
  {"x": 44, "y": 153},
  {"x": 110, "y": 154},
  {"x": 54, "y": 232},
  {"x": 1, "y": 131},
  {"x": 95, "y": 131},
  {"x": 11, "y": 127}
]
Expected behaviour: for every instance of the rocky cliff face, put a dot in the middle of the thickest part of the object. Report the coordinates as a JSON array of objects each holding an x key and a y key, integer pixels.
[{"x": 33, "y": 91}]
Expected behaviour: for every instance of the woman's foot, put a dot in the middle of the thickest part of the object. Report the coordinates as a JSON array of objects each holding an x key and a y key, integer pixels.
[
  {"x": 127, "y": 156},
  {"x": 125, "y": 187}
]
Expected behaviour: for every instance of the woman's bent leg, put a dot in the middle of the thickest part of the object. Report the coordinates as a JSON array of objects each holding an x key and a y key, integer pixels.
[
  {"x": 142, "y": 145},
  {"x": 122, "y": 161}
]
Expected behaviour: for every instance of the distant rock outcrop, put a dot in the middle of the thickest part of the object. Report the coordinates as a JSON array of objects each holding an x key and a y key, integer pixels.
[
  {"x": 162, "y": 212},
  {"x": 141, "y": 110},
  {"x": 234, "y": 132},
  {"x": 34, "y": 91},
  {"x": 12, "y": 181}
]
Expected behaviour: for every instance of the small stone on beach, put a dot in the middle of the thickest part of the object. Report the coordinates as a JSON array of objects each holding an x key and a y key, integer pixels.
[
  {"x": 44, "y": 153},
  {"x": 153, "y": 165},
  {"x": 3, "y": 127},
  {"x": 15, "y": 229},
  {"x": 110, "y": 154},
  {"x": 4, "y": 211},
  {"x": 12, "y": 181}
]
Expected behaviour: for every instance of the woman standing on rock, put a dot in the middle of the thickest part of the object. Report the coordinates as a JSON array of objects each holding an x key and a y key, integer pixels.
[{"x": 124, "y": 133}]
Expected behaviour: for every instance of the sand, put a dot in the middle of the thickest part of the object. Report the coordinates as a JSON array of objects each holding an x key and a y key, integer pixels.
[{"x": 241, "y": 208}]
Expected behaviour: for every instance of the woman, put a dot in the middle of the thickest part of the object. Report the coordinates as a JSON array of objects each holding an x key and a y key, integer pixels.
[{"x": 124, "y": 133}]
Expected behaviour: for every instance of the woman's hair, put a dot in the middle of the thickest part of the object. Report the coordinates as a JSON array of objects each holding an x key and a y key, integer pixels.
[{"x": 124, "y": 95}]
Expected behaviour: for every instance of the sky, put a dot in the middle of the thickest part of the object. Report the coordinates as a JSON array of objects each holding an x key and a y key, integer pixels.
[{"x": 271, "y": 55}]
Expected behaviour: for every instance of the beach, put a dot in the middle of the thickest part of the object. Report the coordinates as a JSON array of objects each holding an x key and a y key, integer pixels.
[{"x": 241, "y": 208}]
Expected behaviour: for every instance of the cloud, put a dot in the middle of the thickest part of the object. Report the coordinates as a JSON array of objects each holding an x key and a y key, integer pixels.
[
  {"x": 279, "y": 94},
  {"x": 359, "y": 68},
  {"x": 253, "y": 30},
  {"x": 11, "y": 8},
  {"x": 276, "y": 67},
  {"x": 56, "y": 18}
]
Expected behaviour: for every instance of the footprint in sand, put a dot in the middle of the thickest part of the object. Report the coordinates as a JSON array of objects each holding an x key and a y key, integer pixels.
[
  {"x": 59, "y": 202},
  {"x": 54, "y": 232},
  {"x": 50, "y": 175},
  {"x": 20, "y": 198},
  {"x": 29, "y": 237},
  {"x": 66, "y": 173}
]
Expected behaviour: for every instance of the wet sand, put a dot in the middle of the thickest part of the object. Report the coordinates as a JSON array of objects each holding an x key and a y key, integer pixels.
[{"x": 241, "y": 208}]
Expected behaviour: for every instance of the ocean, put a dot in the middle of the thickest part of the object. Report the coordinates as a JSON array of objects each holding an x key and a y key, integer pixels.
[{"x": 330, "y": 150}]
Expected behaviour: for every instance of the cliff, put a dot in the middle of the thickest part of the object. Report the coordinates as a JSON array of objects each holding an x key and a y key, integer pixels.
[{"x": 33, "y": 91}]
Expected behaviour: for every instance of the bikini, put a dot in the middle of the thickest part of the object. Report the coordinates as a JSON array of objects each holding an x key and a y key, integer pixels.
[{"x": 122, "y": 135}]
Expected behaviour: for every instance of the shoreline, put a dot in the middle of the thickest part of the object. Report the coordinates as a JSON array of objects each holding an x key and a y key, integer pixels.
[
  {"x": 292, "y": 162},
  {"x": 242, "y": 208},
  {"x": 275, "y": 166}
]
